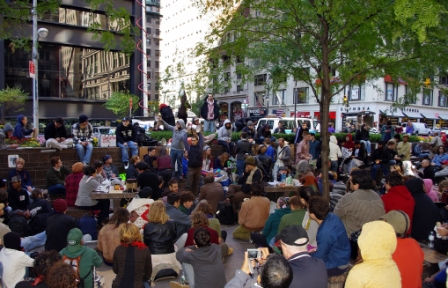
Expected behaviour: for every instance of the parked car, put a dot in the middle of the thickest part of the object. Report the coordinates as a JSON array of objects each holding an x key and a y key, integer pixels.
[
  {"x": 288, "y": 123},
  {"x": 419, "y": 128}
]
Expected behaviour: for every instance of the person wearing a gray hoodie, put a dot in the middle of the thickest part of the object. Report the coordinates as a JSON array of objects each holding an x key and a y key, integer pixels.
[
  {"x": 225, "y": 136},
  {"x": 6, "y": 133},
  {"x": 177, "y": 144}
]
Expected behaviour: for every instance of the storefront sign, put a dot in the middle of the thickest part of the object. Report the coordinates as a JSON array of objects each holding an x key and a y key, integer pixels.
[
  {"x": 353, "y": 108},
  {"x": 413, "y": 110},
  {"x": 257, "y": 112}
]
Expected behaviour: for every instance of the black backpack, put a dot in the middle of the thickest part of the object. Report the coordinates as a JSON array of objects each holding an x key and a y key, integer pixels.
[
  {"x": 225, "y": 214},
  {"x": 19, "y": 225}
]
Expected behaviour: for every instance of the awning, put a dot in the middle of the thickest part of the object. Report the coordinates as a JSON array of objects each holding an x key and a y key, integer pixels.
[
  {"x": 430, "y": 118},
  {"x": 444, "y": 118},
  {"x": 413, "y": 115},
  {"x": 395, "y": 114}
]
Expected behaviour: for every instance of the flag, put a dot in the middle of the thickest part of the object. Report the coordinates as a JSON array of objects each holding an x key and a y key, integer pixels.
[
  {"x": 279, "y": 99},
  {"x": 259, "y": 100},
  {"x": 279, "y": 112}
]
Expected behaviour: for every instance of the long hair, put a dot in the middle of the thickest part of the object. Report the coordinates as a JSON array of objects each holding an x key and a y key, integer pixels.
[
  {"x": 223, "y": 158},
  {"x": 203, "y": 207},
  {"x": 157, "y": 214},
  {"x": 120, "y": 216},
  {"x": 129, "y": 233},
  {"x": 198, "y": 219}
]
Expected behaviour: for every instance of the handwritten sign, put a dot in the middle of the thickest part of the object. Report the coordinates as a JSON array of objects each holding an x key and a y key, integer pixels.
[{"x": 108, "y": 140}]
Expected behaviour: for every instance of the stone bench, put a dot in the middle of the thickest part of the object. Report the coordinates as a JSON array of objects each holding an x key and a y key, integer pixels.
[{"x": 77, "y": 213}]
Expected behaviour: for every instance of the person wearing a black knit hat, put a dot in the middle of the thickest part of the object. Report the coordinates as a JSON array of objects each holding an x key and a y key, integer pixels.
[{"x": 15, "y": 259}]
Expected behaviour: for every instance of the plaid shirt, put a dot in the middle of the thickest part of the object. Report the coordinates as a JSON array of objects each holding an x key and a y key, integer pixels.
[
  {"x": 71, "y": 187},
  {"x": 81, "y": 135}
]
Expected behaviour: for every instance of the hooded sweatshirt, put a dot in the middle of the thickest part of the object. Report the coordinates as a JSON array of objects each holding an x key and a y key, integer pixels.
[
  {"x": 428, "y": 189},
  {"x": 426, "y": 213},
  {"x": 377, "y": 243},
  {"x": 14, "y": 266},
  {"x": 335, "y": 150},
  {"x": 89, "y": 258},
  {"x": 20, "y": 131},
  {"x": 399, "y": 198},
  {"x": 177, "y": 142},
  {"x": 225, "y": 134},
  {"x": 349, "y": 144},
  {"x": 6, "y": 129},
  {"x": 207, "y": 265}
]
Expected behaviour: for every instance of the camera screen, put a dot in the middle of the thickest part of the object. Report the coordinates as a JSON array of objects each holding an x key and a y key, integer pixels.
[{"x": 252, "y": 254}]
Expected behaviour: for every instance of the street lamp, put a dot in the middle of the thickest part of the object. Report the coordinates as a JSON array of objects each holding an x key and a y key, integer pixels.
[{"x": 41, "y": 33}]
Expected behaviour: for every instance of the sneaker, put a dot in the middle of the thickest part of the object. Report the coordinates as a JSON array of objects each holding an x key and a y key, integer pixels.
[
  {"x": 230, "y": 251},
  {"x": 174, "y": 284},
  {"x": 126, "y": 165}
]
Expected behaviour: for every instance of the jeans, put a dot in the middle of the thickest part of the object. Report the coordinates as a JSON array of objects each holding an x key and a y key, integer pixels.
[
  {"x": 180, "y": 243},
  {"x": 176, "y": 155},
  {"x": 189, "y": 273},
  {"x": 124, "y": 150},
  {"x": 193, "y": 178},
  {"x": 209, "y": 126},
  {"x": 31, "y": 242},
  {"x": 84, "y": 153},
  {"x": 275, "y": 171},
  {"x": 102, "y": 205},
  {"x": 334, "y": 166},
  {"x": 227, "y": 146},
  {"x": 376, "y": 167},
  {"x": 240, "y": 165},
  {"x": 57, "y": 189},
  {"x": 367, "y": 145}
]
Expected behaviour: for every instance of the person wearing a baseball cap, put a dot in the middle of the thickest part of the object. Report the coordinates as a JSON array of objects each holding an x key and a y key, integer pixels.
[
  {"x": 126, "y": 138},
  {"x": 307, "y": 271},
  {"x": 18, "y": 197},
  {"x": 58, "y": 226},
  {"x": 377, "y": 243},
  {"x": 408, "y": 255},
  {"x": 88, "y": 259},
  {"x": 82, "y": 138}
]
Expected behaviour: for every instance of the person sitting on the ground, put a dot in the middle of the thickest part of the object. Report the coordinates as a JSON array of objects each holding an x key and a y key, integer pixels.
[
  {"x": 225, "y": 136},
  {"x": 131, "y": 172},
  {"x": 212, "y": 192},
  {"x": 205, "y": 259},
  {"x": 221, "y": 161},
  {"x": 252, "y": 174},
  {"x": 186, "y": 202},
  {"x": 264, "y": 162},
  {"x": 243, "y": 149},
  {"x": 27, "y": 184},
  {"x": 358, "y": 157},
  {"x": 398, "y": 196},
  {"x": 275, "y": 272},
  {"x": 82, "y": 138},
  {"x": 139, "y": 207},
  {"x": 213, "y": 222},
  {"x": 333, "y": 245},
  {"x": 72, "y": 183},
  {"x": 425, "y": 214},
  {"x": 376, "y": 268},
  {"x": 55, "y": 178},
  {"x": 110, "y": 171},
  {"x": 40, "y": 210},
  {"x": 84, "y": 200},
  {"x": 88, "y": 258},
  {"x": 150, "y": 157},
  {"x": 253, "y": 214},
  {"x": 6, "y": 133},
  {"x": 62, "y": 275},
  {"x": 42, "y": 264},
  {"x": 173, "y": 186},
  {"x": 426, "y": 171},
  {"x": 20, "y": 130},
  {"x": 14, "y": 260},
  {"x": 126, "y": 137},
  {"x": 408, "y": 256},
  {"x": 18, "y": 198},
  {"x": 207, "y": 161},
  {"x": 147, "y": 178},
  {"x": 136, "y": 272},
  {"x": 303, "y": 170},
  {"x": 109, "y": 235},
  {"x": 58, "y": 226},
  {"x": 172, "y": 209},
  {"x": 56, "y": 135},
  {"x": 250, "y": 130},
  {"x": 362, "y": 206},
  {"x": 296, "y": 216}
]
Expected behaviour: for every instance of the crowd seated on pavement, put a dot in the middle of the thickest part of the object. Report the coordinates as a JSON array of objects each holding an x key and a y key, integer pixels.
[{"x": 385, "y": 209}]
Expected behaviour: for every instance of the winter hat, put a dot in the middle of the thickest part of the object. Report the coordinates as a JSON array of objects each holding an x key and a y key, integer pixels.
[
  {"x": 74, "y": 239},
  {"x": 11, "y": 240},
  {"x": 59, "y": 205},
  {"x": 106, "y": 157},
  {"x": 250, "y": 160},
  {"x": 250, "y": 123},
  {"x": 161, "y": 106},
  {"x": 8, "y": 128},
  {"x": 77, "y": 167},
  {"x": 398, "y": 219},
  {"x": 83, "y": 118}
]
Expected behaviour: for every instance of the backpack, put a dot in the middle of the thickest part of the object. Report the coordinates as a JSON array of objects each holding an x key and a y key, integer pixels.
[
  {"x": 225, "y": 214},
  {"x": 87, "y": 225},
  {"x": 19, "y": 225},
  {"x": 74, "y": 262}
]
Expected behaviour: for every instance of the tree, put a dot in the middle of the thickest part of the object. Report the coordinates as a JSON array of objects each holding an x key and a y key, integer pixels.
[
  {"x": 119, "y": 103},
  {"x": 11, "y": 99},
  {"x": 359, "y": 39}
]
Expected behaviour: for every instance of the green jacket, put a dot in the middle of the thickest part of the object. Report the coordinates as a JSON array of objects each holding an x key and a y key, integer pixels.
[
  {"x": 57, "y": 177},
  {"x": 271, "y": 227},
  {"x": 293, "y": 218},
  {"x": 89, "y": 259}
]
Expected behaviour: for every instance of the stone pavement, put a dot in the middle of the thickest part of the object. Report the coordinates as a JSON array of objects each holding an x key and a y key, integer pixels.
[{"x": 231, "y": 263}]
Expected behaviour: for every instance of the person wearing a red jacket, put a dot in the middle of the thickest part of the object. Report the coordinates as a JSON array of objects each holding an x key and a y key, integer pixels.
[{"x": 398, "y": 196}]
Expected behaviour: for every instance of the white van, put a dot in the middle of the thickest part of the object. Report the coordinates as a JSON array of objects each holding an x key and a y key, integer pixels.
[
  {"x": 419, "y": 128},
  {"x": 288, "y": 123}
]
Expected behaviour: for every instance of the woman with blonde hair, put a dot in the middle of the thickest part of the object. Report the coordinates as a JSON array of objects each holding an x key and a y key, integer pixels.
[
  {"x": 23, "y": 174},
  {"x": 132, "y": 259},
  {"x": 396, "y": 168}
]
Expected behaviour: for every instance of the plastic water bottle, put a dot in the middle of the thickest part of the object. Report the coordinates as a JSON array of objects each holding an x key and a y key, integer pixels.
[
  {"x": 283, "y": 178},
  {"x": 431, "y": 239}
]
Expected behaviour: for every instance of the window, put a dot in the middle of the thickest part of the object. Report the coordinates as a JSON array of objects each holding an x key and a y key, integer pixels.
[
  {"x": 148, "y": 41},
  {"x": 443, "y": 79},
  {"x": 148, "y": 63},
  {"x": 148, "y": 19},
  {"x": 148, "y": 30},
  {"x": 412, "y": 98},
  {"x": 301, "y": 95},
  {"x": 148, "y": 52},
  {"x": 279, "y": 97},
  {"x": 157, "y": 75},
  {"x": 157, "y": 31},
  {"x": 227, "y": 76},
  {"x": 149, "y": 86},
  {"x": 157, "y": 52},
  {"x": 356, "y": 92},
  {"x": 442, "y": 99},
  {"x": 427, "y": 97},
  {"x": 239, "y": 88},
  {"x": 260, "y": 79},
  {"x": 148, "y": 74},
  {"x": 258, "y": 98},
  {"x": 390, "y": 92},
  {"x": 157, "y": 64},
  {"x": 238, "y": 76}
]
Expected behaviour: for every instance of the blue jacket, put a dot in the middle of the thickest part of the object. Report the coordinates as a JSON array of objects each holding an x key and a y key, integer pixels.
[
  {"x": 271, "y": 153},
  {"x": 438, "y": 159},
  {"x": 271, "y": 226},
  {"x": 19, "y": 131},
  {"x": 333, "y": 245},
  {"x": 314, "y": 148},
  {"x": 184, "y": 167}
]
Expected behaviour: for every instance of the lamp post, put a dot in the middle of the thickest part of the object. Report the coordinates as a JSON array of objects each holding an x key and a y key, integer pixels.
[
  {"x": 42, "y": 32},
  {"x": 245, "y": 103}
]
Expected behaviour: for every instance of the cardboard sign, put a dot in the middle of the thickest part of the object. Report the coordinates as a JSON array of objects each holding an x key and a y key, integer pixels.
[{"x": 108, "y": 140}]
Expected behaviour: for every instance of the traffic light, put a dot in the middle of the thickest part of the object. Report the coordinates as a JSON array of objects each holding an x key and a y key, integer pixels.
[{"x": 427, "y": 82}]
